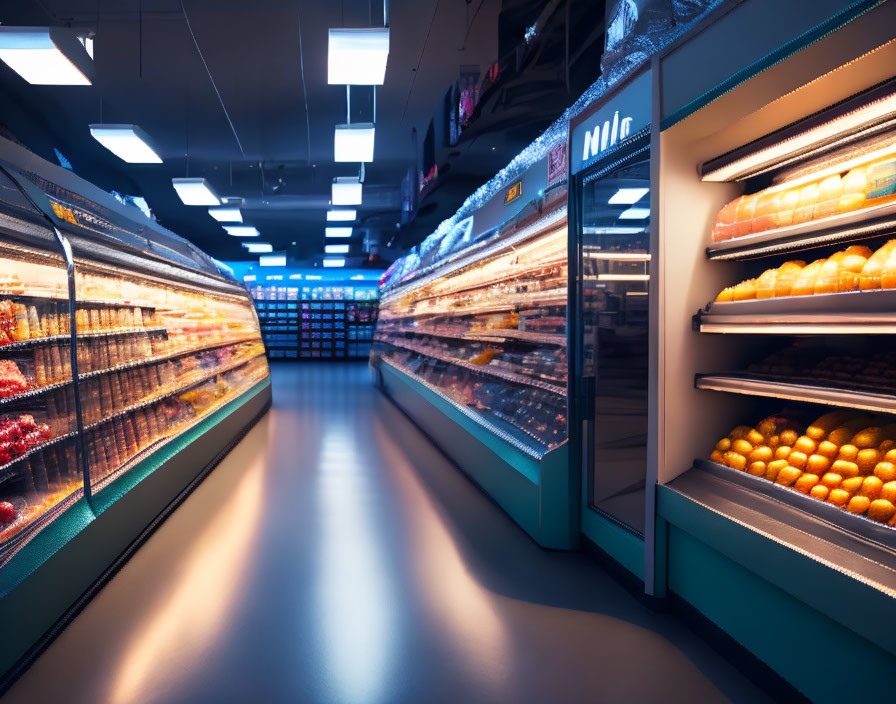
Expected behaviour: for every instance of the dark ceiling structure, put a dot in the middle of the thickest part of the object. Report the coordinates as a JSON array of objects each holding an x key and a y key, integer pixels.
[{"x": 237, "y": 93}]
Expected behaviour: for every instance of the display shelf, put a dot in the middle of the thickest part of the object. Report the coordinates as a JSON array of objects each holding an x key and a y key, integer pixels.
[
  {"x": 497, "y": 280},
  {"x": 855, "y": 225},
  {"x": 8, "y": 470},
  {"x": 854, "y": 312},
  {"x": 82, "y": 303},
  {"x": 793, "y": 390},
  {"x": 66, "y": 337},
  {"x": 485, "y": 369},
  {"x": 167, "y": 394},
  {"x": 486, "y": 336}
]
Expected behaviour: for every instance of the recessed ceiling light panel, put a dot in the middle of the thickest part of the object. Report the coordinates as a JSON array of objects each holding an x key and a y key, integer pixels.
[
  {"x": 258, "y": 247},
  {"x": 354, "y": 142},
  {"x": 127, "y": 142},
  {"x": 272, "y": 260},
  {"x": 340, "y": 215},
  {"x": 241, "y": 230},
  {"x": 628, "y": 196},
  {"x": 336, "y": 249},
  {"x": 337, "y": 231},
  {"x": 333, "y": 263},
  {"x": 226, "y": 214},
  {"x": 635, "y": 214},
  {"x": 347, "y": 190}
]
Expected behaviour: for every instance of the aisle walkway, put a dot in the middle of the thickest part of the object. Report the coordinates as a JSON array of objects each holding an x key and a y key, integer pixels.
[{"x": 336, "y": 556}]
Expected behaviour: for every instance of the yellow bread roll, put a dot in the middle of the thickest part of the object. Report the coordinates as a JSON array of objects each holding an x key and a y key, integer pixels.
[
  {"x": 764, "y": 212},
  {"x": 858, "y": 504},
  {"x": 885, "y": 471},
  {"x": 826, "y": 424},
  {"x": 805, "y": 444},
  {"x": 723, "y": 445},
  {"x": 831, "y": 480},
  {"x": 773, "y": 468},
  {"x": 843, "y": 434},
  {"x": 828, "y": 449},
  {"x": 788, "y": 273},
  {"x": 726, "y": 295},
  {"x": 805, "y": 205},
  {"x": 763, "y": 453},
  {"x": 881, "y": 510},
  {"x": 724, "y": 227},
  {"x": 851, "y": 267},
  {"x": 848, "y": 453},
  {"x": 805, "y": 282},
  {"x": 740, "y": 431},
  {"x": 746, "y": 208},
  {"x": 757, "y": 469},
  {"x": 888, "y": 492},
  {"x": 818, "y": 464},
  {"x": 838, "y": 497},
  {"x": 735, "y": 460},
  {"x": 788, "y": 475},
  {"x": 716, "y": 456},
  {"x": 826, "y": 282},
  {"x": 784, "y": 205},
  {"x": 871, "y": 487},
  {"x": 869, "y": 437},
  {"x": 867, "y": 460},
  {"x": 782, "y": 451},
  {"x": 745, "y": 290},
  {"x": 845, "y": 469},
  {"x": 820, "y": 492},
  {"x": 870, "y": 276},
  {"x": 797, "y": 459},
  {"x": 855, "y": 184},
  {"x": 765, "y": 284},
  {"x": 755, "y": 438},
  {"x": 888, "y": 273},
  {"x": 851, "y": 484},
  {"x": 806, "y": 482},
  {"x": 829, "y": 191},
  {"x": 788, "y": 437},
  {"x": 742, "y": 447},
  {"x": 890, "y": 456}
]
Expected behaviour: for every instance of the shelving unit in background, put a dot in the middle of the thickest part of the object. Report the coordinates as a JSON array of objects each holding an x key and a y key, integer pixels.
[{"x": 327, "y": 321}]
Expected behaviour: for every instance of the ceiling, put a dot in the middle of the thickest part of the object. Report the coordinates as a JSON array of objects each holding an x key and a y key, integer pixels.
[{"x": 251, "y": 110}]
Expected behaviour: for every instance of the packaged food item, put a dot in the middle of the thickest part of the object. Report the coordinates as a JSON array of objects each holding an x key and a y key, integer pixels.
[
  {"x": 724, "y": 227},
  {"x": 829, "y": 191},
  {"x": 788, "y": 273},
  {"x": 881, "y": 180},
  {"x": 746, "y": 208},
  {"x": 855, "y": 185},
  {"x": 765, "y": 212},
  {"x": 806, "y": 202},
  {"x": 12, "y": 381}
]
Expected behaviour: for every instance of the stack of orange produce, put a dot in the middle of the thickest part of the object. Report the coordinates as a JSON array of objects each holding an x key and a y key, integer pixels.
[
  {"x": 780, "y": 206},
  {"x": 854, "y": 269},
  {"x": 843, "y": 458}
]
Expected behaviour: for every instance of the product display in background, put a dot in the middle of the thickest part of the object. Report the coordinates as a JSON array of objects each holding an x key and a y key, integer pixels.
[
  {"x": 316, "y": 322},
  {"x": 489, "y": 333}
]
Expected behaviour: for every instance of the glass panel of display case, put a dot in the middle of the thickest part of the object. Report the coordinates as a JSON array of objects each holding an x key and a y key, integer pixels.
[
  {"x": 40, "y": 471},
  {"x": 154, "y": 357},
  {"x": 490, "y": 336},
  {"x": 615, "y": 263}
]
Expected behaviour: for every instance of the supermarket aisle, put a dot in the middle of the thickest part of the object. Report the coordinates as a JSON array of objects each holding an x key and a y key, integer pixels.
[{"x": 336, "y": 556}]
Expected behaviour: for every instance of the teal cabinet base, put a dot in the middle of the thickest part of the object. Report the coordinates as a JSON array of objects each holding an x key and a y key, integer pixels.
[
  {"x": 538, "y": 494},
  {"x": 739, "y": 579},
  {"x": 47, "y": 582},
  {"x": 620, "y": 544}
]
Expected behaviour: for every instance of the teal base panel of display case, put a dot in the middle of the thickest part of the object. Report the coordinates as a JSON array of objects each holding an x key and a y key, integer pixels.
[
  {"x": 56, "y": 572},
  {"x": 825, "y": 632},
  {"x": 620, "y": 544},
  {"x": 539, "y": 495}
]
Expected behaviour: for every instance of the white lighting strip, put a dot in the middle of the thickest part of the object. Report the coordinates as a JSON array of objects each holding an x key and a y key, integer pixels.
[
  {"x": 333, "y": 263},
  {"x": 337, "y": 232},
  {"x": 623, "y": 277},
  {"x": 347, "y": 190},
  {"x": 241, "y": 230},
  {"x": 628, "y": 196},
  {"x": 272, "y": 260},
  {"x": 611, "y": 230},
  {"x": 347, "y": 215},
  {"x": 618, "y": 256},
  {"x": 357, "y": 56},
  {"x": 635, "y": 214},
  {"x": 258, "y": 247},
  {"x": 195, "y": 191},
  {"x": 52, "y": 56},
  {"x": 336, "y": 249},
  {"x": 128, "y": 142},
  {"x": 837, "y": 127},
  {"x": 354, "y": 142},
  {"x": 226, "y": 214}
]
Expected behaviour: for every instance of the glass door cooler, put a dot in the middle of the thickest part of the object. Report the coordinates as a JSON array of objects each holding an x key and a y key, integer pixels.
[
  {"x": 126, "y": 358},
  {"x": 778, "y": 384}
]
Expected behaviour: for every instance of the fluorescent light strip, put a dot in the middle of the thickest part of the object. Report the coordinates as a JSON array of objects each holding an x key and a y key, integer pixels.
[
  {"x": 618, "y": 256},
  {"x": 46, "y": 55},
  {"x": 357, "y": 56},
  {"x": 195, "y": 191},
  {"x": 628, "y": 196},
  {"x": 258, "y": 247},
  {"x": 275, "y": 277},
  {"x": 295, "y": 277},
  {"x": 226, "y": 214},
  {"x": 841, "y": 126},
  {"x": 249, "y": 277},
  {"x": 128, "y": 142},
  {"x": 354, "y": 142},
  {"x": 358, "y": 277},
  {"x": 333, "y": 263},
  {"x": 336, "y": 249},
  {"x": 272, "y": 260},
  {"x": 586, "y": 230},
  {"x": 346, "y": 191},
  {"x": 241, "y": 230},
  {"x": 623, "y": 277},
  {"x": 337, "y": 232},
  {"x": 342, "y": 215},
  {"x": 635, "y": 214},
  {"x": 313, "y": 277}
]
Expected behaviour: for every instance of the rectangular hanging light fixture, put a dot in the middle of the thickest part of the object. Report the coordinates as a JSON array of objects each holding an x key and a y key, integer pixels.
[
  {"x": 195, "y": 191},
  {"x": 242, "y": 230},
  {"x": 272, "y": 260},
  {"x": 127, "y": 142},
  {"x": 333, "y": 263},
  {"x": 258, "y": 247},
  {"x": 226, "y": 214},
  {"x": 635, "y": 214},
  {"x": 627, "y": 196},
  {"x": 340, "y": 215},
  {"x": 336, "y": 249},
  {"x": 354, "y": 142},
  {"x": 50, "y": 56},
  {"x": 337, "y": 232},
  {"x": 358, "y": 57},
  {"x": 346, "y": 191}
]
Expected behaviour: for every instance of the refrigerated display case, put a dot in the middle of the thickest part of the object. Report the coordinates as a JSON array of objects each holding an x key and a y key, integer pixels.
[
  {"x": 472, "y": 341},
  {"x": 777, "y": 487},
  {"x": 122, "y": 347}
]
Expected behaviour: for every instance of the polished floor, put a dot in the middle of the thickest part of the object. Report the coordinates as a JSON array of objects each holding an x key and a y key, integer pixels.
[{"x": 336, "y": 556}]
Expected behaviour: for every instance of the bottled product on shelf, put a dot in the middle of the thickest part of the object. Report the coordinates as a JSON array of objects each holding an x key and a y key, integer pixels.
[
  {"x": 486, "y": 327},
  {"x": 845, "y": 458}
]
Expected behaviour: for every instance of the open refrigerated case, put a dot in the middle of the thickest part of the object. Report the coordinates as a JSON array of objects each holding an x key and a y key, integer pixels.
[
  {"x": 471, "y": 341},
  {"x": 777, "y": 475},
  {"x": 121, "y": 347}
]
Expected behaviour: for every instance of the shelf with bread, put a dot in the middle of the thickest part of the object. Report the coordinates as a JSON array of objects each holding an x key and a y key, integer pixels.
[{"x": 492, "y": 335}]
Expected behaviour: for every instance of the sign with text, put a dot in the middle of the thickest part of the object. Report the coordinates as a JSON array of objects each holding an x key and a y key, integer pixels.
[
  {"x": 624, "y": 114},
  {"x": 557, "y": 164},
  {"x": 513, "y": 192}
]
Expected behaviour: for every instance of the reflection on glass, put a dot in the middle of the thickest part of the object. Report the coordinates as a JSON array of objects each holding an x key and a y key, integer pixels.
[{"x": 615, "y": 261}]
